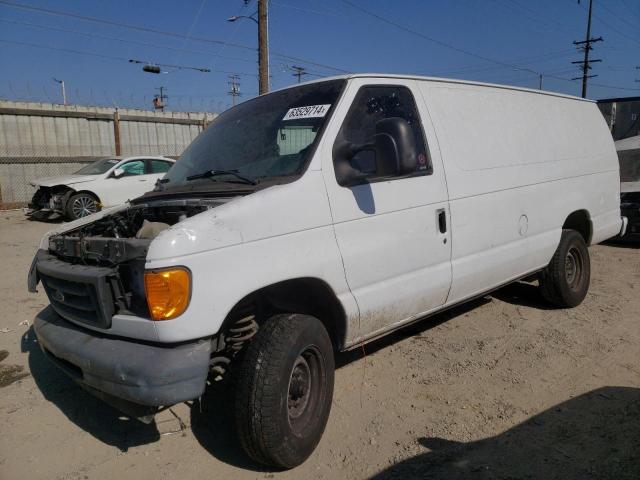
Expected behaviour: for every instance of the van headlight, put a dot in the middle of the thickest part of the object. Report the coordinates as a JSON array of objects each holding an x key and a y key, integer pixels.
[{"x": 168, "y": 291}]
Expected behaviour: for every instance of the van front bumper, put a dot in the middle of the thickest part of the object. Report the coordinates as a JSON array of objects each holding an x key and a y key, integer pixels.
[{"x": 121, "y": 371}]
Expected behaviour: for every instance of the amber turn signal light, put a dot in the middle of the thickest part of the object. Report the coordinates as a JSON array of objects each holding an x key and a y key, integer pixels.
[{"x": 168, "y": 292}]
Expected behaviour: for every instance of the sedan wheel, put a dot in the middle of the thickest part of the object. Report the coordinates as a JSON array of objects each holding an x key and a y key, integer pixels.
[{"x": 81, "y": 205}]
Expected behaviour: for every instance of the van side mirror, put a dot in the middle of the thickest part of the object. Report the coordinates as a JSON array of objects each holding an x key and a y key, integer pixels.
[
  {"x": 117, "y": 173},
  {"x": 393, "y": 145}
]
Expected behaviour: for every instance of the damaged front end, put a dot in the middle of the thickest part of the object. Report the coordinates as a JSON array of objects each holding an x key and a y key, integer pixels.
[
  {"x": 95, "y": 271},
  {"x": 48, "y": 203},
  {"x": 93, "y": 275}
]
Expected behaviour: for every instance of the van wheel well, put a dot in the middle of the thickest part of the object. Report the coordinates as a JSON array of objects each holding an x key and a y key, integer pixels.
[
  {"x": 581, "y": 223},
  {"x": 309, "y": 296}
]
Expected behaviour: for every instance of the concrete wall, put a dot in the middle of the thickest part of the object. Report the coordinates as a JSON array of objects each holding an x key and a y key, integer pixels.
[{"x": 39, "y": 140}]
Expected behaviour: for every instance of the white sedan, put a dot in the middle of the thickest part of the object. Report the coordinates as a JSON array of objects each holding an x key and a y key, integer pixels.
[{"x": 104, "y": 183}]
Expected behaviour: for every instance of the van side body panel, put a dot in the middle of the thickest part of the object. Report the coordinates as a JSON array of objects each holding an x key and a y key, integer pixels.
[{"x": 518, "y": 164}]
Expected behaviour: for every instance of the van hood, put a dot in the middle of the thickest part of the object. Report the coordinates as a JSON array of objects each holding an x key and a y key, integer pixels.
[{"x": 63, "y": 180}]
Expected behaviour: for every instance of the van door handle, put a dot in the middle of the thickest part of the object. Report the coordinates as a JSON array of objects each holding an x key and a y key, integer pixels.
[{"x": 442, "y": 220}]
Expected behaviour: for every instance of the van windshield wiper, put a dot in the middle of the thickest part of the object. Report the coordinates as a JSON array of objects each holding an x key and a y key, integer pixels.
[{"x": 215, "y": 173}]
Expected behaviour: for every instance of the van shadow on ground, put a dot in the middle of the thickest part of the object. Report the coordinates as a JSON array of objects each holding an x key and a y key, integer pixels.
[
  {"x": 593, "y": 436},
  {"x": 89, "y": 413},
  {"x": 617, "y": 242}
]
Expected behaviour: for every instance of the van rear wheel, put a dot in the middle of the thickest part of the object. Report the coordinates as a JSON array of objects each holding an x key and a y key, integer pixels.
[
  {"x": 284, "y": 390},
  {"x": 565, "y": 281}
]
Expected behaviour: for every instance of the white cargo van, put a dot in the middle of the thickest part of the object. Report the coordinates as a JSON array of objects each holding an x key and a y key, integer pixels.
[{"x": 313, "y": 219}]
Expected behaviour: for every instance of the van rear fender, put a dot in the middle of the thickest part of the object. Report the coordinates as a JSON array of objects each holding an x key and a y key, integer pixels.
[{"x": 580, "y": 221}]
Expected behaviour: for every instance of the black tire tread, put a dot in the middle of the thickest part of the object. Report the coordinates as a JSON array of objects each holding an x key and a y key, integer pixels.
[
  {"x": 553, "y": 276},
  {"x": 260, "y": 436}
]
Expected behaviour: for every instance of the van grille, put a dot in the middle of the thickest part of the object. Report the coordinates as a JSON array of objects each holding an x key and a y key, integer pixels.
[
  {"x": 75, "y": 301},
  {"x": 80, "y": 293}
]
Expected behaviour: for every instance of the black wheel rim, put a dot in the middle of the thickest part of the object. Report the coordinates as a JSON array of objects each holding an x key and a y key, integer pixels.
[
  {"x": 306, "y": 389},
  {"x": 573, "y": 268},
  {"x": 83, "y": 206}
]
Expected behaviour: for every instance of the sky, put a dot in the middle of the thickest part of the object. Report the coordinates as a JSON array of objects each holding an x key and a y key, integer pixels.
[{"x": 88, "y": 44}]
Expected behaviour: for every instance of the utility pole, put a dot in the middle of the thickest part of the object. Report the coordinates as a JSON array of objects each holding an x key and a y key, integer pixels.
[
  {"x": 64, "y": 93},
  {"x": 299, "y": 72},
  {"x": 263, "y": 47},
  {"x": 586, "y": 46},
  {"x": 234, "y": 88},
  {"x": 158, "y": 100},
  {"x": 540, "y": 80}
]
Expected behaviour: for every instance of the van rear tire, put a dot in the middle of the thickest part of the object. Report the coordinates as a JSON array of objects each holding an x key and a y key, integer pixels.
[
  {"x": 284, "y": 390},
  {"x": 565, "y": 281}
]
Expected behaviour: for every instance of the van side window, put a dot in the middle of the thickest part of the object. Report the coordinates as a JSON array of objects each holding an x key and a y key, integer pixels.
[{"x": 375, "y": 103}]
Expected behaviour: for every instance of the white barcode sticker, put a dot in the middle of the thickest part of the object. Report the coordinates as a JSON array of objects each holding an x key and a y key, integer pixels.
[{"x": 311, "y": 111}]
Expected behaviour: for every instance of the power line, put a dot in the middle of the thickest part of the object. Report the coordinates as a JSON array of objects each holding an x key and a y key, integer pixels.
[
  {"x": 191, "y": 27},
  {"x": 439, "y": 42},
  {"x": 518, "y": 61},
  {"x": 614, "y": 14},
  {"x": 160, "y": 32},
  {"x": 635, "y": 14},
  {"x": 115, "y": 39},
  {"x": 306, "y": 10},
  {"x": 67, "y": 50},
  {"x": 95, "y": 54},
  {"x": 86, "y": 18},
  {"x": 614, "y": 29},
  {"x": 527, "y": 12}
]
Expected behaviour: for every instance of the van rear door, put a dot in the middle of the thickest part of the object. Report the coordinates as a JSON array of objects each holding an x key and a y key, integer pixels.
[{"x": 393, "y": 231}]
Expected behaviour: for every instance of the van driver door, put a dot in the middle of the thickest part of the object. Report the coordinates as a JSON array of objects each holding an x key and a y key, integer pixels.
[{"x": 392, "y": 230}]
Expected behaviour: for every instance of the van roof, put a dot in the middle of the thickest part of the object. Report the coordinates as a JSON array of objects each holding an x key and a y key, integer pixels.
[{"x": 442, "y": 80}]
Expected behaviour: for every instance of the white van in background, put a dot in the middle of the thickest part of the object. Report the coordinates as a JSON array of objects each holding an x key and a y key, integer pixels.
[{"x": 314, "y": 219}]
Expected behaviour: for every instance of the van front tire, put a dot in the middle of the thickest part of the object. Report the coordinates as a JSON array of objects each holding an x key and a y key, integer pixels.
[
  {"x": 284, "y": 390},
  {"x": 565, "y": 281}
]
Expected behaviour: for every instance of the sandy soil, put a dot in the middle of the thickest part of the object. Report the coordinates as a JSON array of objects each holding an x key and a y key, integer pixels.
[{"x": 502, "y": 388}]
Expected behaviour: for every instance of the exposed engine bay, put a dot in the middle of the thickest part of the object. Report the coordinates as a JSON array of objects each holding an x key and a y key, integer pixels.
[{"x": 125, "y": 235}]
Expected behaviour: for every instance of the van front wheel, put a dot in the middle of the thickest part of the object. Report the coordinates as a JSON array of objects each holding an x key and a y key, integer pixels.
[
  {"x": 565, "y": 281},
  {"x": 284, "y": 390}
]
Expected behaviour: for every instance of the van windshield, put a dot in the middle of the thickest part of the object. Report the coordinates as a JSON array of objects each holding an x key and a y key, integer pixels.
[{"x": 268, "y": 136}]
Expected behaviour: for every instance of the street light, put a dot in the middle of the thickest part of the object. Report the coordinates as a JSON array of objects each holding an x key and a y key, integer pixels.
[
  {"x": 263, "y": 43},
  {"x": 151, "y": 67},
  {"x": 64, "y": 93}
]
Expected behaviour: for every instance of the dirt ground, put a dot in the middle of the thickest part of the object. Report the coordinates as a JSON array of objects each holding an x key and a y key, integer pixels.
[{"x": 501, "y": 388}]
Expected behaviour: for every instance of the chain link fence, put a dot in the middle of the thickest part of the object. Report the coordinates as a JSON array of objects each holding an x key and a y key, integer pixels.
[{"x": 43, "y": 140}]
